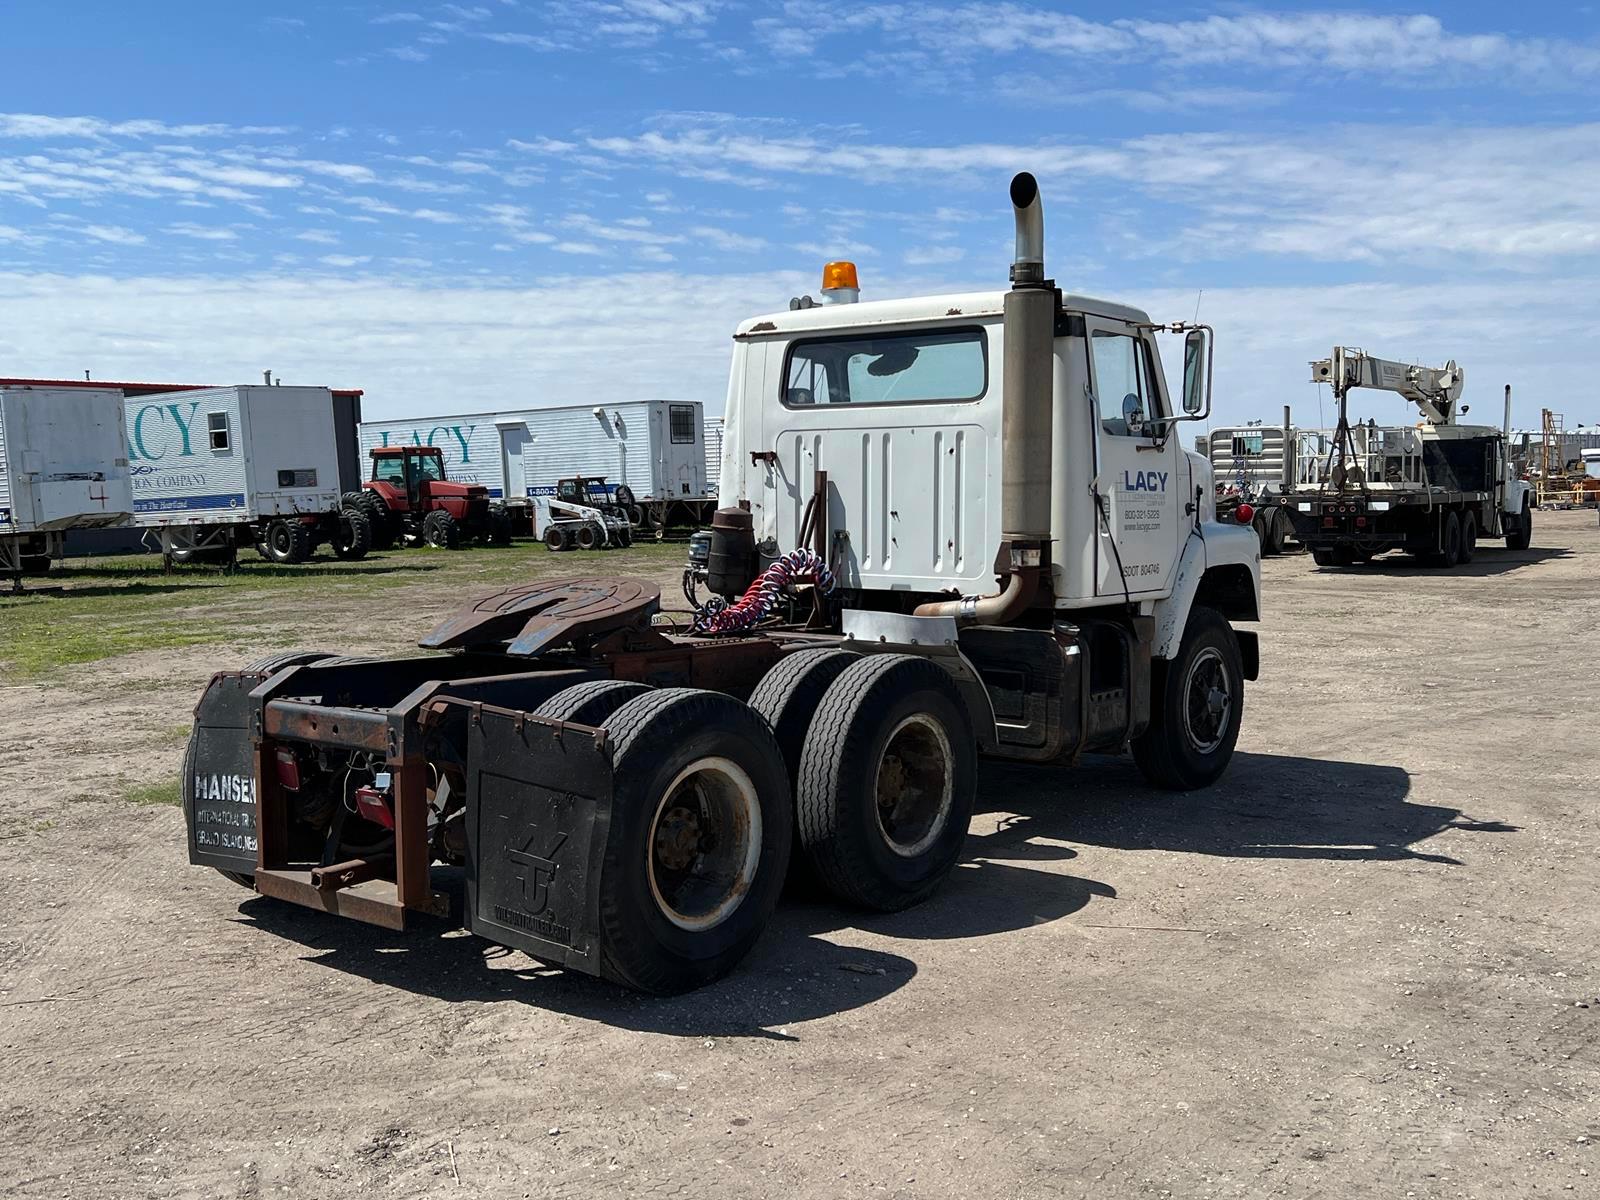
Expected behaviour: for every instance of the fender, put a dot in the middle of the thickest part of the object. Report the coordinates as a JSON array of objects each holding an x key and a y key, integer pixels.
[
  {"x": 1516, "y": 494},
  {"x": 1215, "y": 545}
]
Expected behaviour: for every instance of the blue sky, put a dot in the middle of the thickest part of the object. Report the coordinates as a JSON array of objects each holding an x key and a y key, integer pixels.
[{"x": 459, "y": 206}]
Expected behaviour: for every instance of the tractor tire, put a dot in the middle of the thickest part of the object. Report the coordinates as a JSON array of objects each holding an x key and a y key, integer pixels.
[
  {"x": 590, "y": 703},
  {"x": 623, "y": 497},
  {"x": 1522, "y": 537},
  {"x": 384, "y": 526},
  {"x": 1197, "y": 703},
  {"x": 354, "y": 537},
  {"x": 288, "y": 542},
  {"x": 1469, "y": 536},
  {"x": 886, "y": 783},
  {"x": 635, "y": 515},
  {"x": 441, "y": 531},
  {"x": 587, "y": 536},
  {"x": 790, "y": 694},
  {"x": 555, "y": 538},
  {"x": 499, "y": 530},
  {"x": 699, "y": 841}
]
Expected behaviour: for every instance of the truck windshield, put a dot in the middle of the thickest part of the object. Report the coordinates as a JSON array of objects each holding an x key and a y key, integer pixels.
[{"x": 920, "y": 367}]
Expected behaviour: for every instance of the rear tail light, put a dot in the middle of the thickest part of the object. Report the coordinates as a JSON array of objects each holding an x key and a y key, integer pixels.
[
  {"x": 1327, "y": 522},
  {"x": 1361, "y": 522},
  {"x": 374, "y": 806},
  {"x": 288, "y": 765}
]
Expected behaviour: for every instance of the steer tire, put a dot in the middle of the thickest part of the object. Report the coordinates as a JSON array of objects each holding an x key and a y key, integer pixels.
[
  {"x": 288, "y": 542},
  {"x": 441, "y": 531},
  {"x": 1522, "y": 536},
  {"x": 1177, "y": 751},
  {"x": 354, "y": 536},
  {"x": 887, "y": 718},
  {"x": 790, "y": 695},
  {"x": 590, "y": 703},
  {"x": 555, "y": 538},
  {"x": 692, "y": 870}
]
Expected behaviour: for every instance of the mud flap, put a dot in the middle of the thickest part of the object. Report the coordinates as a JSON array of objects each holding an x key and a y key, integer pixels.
[
  {"x": 219, "y": 787},
  {"x": 538, "y": 815}
]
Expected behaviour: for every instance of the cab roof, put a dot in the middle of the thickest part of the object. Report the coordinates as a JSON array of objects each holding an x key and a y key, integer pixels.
[{"x": 953, "y": 307}]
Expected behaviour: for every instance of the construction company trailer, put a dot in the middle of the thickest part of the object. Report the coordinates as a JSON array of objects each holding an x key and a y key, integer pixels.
[
  {"x": 63, "y": 465},
  {"x": 656, "y": 448},
  {"x": 217, "y": 468}
]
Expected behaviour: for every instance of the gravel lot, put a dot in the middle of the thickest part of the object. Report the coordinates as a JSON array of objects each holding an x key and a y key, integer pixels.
[{"x": 1362, "y": 965}]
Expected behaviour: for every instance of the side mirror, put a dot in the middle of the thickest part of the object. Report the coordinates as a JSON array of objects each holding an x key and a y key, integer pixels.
[{"x": 1196, "y": 373}]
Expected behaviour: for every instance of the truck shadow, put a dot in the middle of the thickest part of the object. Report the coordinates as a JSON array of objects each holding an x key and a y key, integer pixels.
[
  {"x": 1490, "y": 560},
  {"x": 1266, "y": 806},
  {"x": 794, "y": 974}
]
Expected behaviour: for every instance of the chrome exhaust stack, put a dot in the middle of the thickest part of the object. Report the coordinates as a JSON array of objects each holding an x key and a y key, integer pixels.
[{"x": 1026, "y": 420}]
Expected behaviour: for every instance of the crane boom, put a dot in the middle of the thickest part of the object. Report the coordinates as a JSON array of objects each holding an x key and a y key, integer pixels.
[{"x": 1434, "y": 390}]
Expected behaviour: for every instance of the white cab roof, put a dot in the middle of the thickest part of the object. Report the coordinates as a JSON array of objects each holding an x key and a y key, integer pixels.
[{"x": 953, "y": 307}]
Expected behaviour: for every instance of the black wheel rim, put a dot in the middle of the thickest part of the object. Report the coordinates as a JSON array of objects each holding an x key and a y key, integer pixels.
[{"x": 1207, "y": 701}]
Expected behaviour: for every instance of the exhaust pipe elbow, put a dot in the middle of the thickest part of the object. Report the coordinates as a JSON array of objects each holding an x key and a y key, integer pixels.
[
  {"x": 1011, "y": 602},
  {"x": 1027, "y": 261}
]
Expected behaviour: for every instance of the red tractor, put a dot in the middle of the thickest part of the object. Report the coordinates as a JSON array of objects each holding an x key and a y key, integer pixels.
[{"x": 409, "y": 498}]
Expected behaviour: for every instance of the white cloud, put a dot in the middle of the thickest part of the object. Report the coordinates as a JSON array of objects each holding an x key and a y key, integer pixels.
[
  {"x": 53, "y": 128},
  {"x": 1404, "y": 50},
  {"x": 345, "y": 260},
  {"x": 322, "y": 237},
  {"x": 114, "y": 234},
  {"x": 204, "y": 233}
]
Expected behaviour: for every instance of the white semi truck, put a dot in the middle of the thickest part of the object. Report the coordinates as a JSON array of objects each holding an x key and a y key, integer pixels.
[
  {"x": 1432, "y": 489},
  {"x": 255, "y": 465},
  {"x": 953, "y": 527},
  {"x": 63, "y": 465}
]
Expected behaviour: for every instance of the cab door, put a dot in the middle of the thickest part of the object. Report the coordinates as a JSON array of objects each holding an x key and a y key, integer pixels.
[{"x": 1137, "y": 479}]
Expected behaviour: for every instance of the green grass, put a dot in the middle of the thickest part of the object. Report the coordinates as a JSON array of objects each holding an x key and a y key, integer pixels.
[
  {"x": 115, "y": 606},
  {"x": 149, "y": 794}
]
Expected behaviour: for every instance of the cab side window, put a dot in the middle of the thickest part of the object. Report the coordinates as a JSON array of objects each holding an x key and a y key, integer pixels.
[{"x": 1124, "y": 385}]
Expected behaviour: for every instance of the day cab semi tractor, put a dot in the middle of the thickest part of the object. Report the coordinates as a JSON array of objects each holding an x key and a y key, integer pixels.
[{"x": 953, "y": 529}]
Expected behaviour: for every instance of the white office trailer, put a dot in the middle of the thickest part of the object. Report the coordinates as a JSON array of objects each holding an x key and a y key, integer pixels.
[
  {"x": 63, "y": 465},
  {"x": 654, "y": 448},
  {"x": 217, "y": 468}
]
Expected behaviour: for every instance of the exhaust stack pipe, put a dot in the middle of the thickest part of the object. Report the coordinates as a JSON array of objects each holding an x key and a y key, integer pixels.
[{"x": 1026, "y": 420}]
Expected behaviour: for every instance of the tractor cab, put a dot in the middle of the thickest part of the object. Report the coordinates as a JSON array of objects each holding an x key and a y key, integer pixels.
[{"x": 411, "y": 470}]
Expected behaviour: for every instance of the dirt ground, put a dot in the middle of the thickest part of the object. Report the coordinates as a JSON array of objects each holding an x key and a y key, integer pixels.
[{"x": 1362, "y": 965}]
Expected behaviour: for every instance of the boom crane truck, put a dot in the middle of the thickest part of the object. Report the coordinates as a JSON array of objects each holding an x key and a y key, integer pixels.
[
  {"x": 954, "y": 528},
  {"x": 1432, "y": 489}
]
